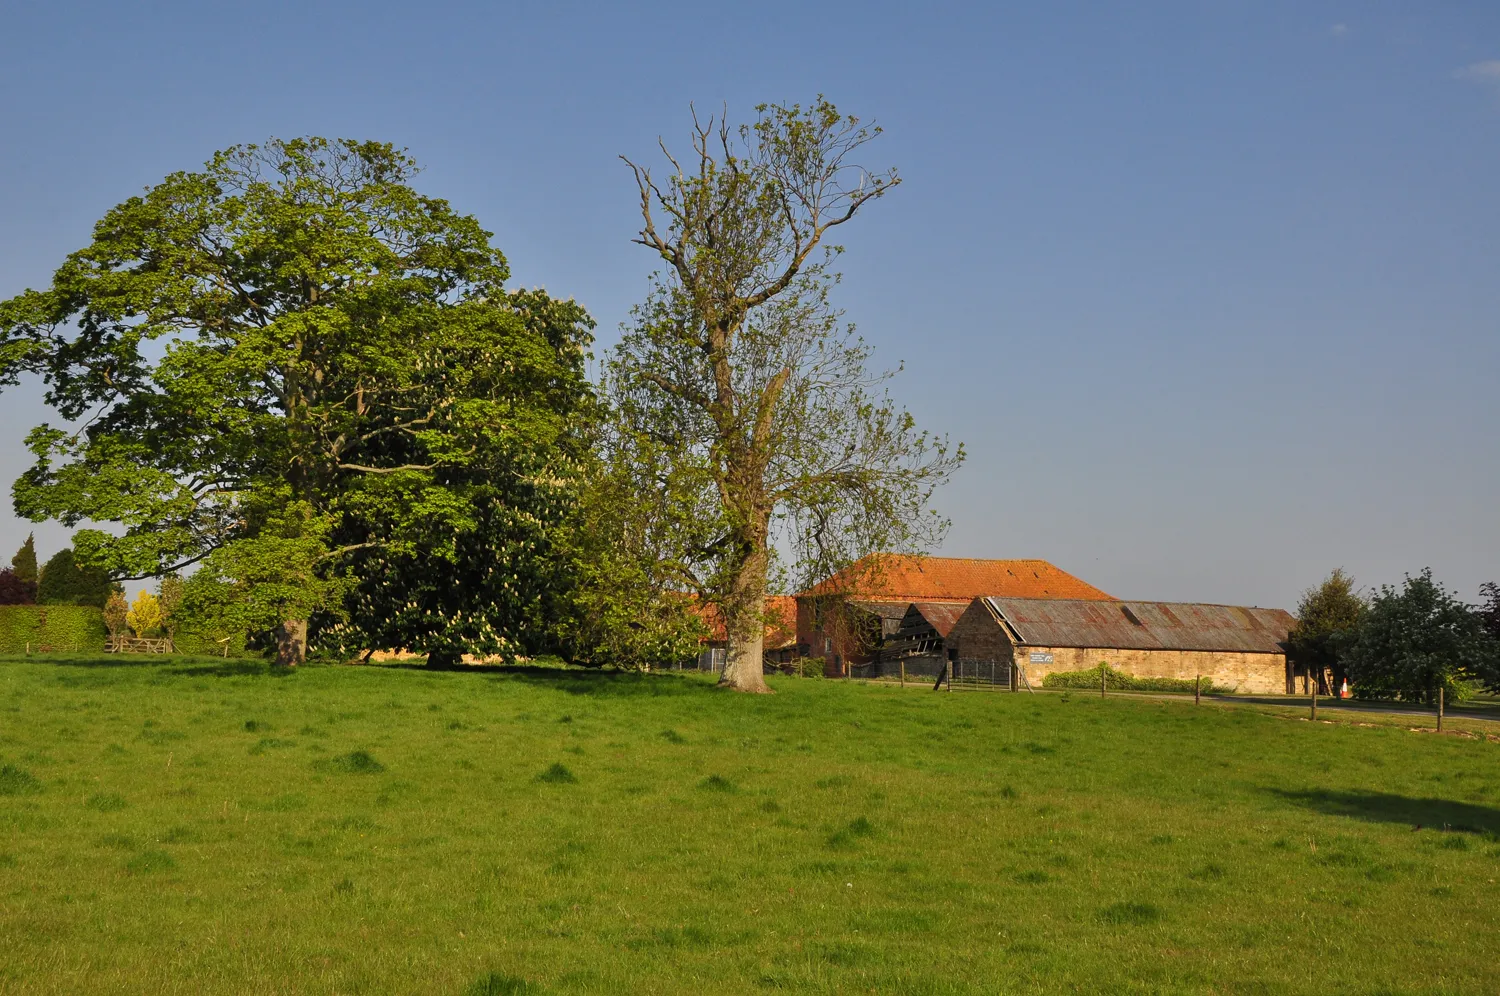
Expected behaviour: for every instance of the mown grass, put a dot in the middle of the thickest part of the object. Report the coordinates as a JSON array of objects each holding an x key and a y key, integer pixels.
[{"x": 210, "y": 827}]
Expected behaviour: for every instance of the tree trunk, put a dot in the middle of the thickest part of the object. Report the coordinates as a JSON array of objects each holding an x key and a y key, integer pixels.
[
  {"x": 745, "y": 624},
  {"x": 291, "y": 643}
]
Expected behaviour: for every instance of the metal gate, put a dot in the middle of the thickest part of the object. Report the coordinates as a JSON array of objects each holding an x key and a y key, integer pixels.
[{"x": 987, "y": 674}]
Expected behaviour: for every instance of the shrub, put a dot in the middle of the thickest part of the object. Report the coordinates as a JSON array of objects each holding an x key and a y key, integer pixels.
[
  {"x": 809, "y": 667},
  {"x": 1125, "y": 682},
  {"x": 146, "y": 615},
  {"x": 14, "y": 590},
  {"x": 50, "y": 627}
]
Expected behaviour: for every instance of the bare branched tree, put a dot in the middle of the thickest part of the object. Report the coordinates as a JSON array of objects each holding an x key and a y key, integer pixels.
[{"x": 743, "y": 398}]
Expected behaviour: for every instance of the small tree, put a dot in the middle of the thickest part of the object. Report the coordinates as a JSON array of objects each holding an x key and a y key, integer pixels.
[
  {"x": 24, "y": 565},
  {"x": 1412, "y": 641},
  {"x": 116, "y": 614},
  {"x": 145, "y": 617},
  {"x": 1326, "y": 620},
  {"x": 171, "y": 602}
]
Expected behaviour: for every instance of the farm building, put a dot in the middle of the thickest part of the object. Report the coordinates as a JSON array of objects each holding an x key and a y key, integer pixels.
[
  {"x": 1239, "y": 648},
  {"x": 781, "y": 638},
  {"x": 918, "y": 646},
  {"x": 849, "y": 618}
]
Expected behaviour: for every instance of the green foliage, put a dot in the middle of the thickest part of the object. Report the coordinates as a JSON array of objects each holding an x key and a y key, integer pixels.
[
  {"x": 24, "y": 562},
  {"x": 50, "y": 627},
  {"x": 67, "y": 581},
  {"x": 1416, "y": 639},
  {"x": 310, "y": 378},
  {"x": 1327, "y": 618},
  {"x": 1120, "y": 681}
]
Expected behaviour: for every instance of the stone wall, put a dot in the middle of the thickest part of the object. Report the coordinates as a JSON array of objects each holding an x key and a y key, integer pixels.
[
  {"x": 1256, "y": 674},
  {"x": 978, "y": 634}
]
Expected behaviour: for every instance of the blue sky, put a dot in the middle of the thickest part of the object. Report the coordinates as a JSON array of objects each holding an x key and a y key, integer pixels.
[{"x": 1208, "y": 289}]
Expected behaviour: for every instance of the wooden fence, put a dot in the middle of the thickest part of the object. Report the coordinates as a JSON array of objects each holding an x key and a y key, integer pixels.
[{"x": 138, "y": 645}]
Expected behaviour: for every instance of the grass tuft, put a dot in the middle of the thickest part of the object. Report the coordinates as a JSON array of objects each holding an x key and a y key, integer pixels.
[
  {"x": 149, "y": 862},
  {"x": 673, "y": 737},
  {"x": 18, "y": 781},
  {"x": 495, "y": 984},
  {"x": 716, "y": 783},
  {"x": 558, "y": 774},
  {"x": 355, "y": 763},
  {"x": 106, "y": 802},
  {"x": 1130, "y": 914}
]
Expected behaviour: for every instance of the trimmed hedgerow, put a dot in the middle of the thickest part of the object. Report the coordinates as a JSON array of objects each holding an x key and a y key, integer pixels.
[
  {"x": 1125, "y": 682},
  {"x": 51, "y": 628}
]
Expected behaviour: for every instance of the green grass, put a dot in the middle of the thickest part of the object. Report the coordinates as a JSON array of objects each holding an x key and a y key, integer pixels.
[{"x": 209, "y": 827}]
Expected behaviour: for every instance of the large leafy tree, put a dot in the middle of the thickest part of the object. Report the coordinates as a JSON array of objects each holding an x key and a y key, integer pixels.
[
  {"x": 1327, "y": 618},
  {"x": 747, "y": 405},
  {"x": 294, "y": 368},
  {"x": 66, "y": 581},
  {"x": 1416, "y": 639}
]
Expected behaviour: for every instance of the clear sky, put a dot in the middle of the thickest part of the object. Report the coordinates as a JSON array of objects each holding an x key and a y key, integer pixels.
[{"x": 1208, "y": 287}]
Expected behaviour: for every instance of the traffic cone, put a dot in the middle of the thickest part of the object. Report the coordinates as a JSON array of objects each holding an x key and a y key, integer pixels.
[{"x": 1344, "y": 689}]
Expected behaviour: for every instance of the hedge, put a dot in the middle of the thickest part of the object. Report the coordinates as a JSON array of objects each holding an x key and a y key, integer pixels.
[
  {"x": 1125, "y": 682},
  {"x": 51, "y": 627},
  {"x": 207, "y": 644}
]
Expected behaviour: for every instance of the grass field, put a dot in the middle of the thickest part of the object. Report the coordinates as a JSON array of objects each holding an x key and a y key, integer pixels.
[{"x": 208, "y": 827}]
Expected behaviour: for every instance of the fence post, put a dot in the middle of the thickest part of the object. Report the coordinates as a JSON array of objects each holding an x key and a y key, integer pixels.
[
  {"x": 950, "y": 675},
  {"x": 1198, "y": 690},
  {"x": 1440, "y": 709},
  {"x": 903, "y": 672},
  {"x": 1313, "y": 684},
  {"x": 1103, "y": 673}
]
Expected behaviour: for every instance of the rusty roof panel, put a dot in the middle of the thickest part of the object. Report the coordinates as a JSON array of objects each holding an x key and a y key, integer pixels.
[{"x": 1154, "y": 626}]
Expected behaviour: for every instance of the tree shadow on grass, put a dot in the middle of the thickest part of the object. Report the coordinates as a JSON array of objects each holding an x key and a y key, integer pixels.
[
  {"x": 200, "y": 667},
  {"x": 606, "y": 684},
  {"x": 1385, "y": 807}
]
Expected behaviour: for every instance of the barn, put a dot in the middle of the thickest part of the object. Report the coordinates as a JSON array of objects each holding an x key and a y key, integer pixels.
[
  {"x": 848, "y": 618},
  {"x": 1239, "y": 648}
]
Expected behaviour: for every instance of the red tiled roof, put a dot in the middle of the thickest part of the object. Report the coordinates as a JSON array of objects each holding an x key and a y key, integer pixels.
[
  {"x": 929, "y": 579},
  {"x": 781, "y": 622}
]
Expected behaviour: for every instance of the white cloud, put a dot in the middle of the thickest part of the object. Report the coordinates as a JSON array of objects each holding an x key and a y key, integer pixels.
[
  {"x": 1339, "y": 30},
  {"x": 1481, "y": 72}
]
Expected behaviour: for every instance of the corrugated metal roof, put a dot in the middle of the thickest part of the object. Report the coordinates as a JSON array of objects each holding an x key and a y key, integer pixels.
[
  {"x": 939, "y": 615},
  {"x": 1047, "y": 622},
  {"x": 898, "y": 577}
]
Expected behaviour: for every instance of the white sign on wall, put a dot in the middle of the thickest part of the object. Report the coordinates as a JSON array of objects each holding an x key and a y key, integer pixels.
[{"x": 1037, "y": 658}]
